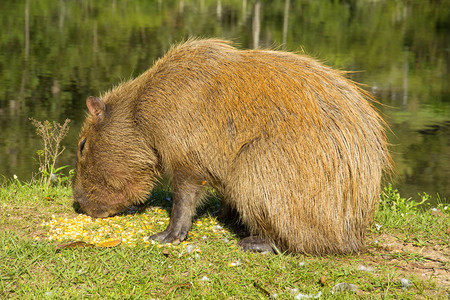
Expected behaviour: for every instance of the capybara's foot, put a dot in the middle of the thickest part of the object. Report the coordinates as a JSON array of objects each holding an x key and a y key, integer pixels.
[
  {"x": 256, "y": 244},
  {"x": 169, "y": 236}
]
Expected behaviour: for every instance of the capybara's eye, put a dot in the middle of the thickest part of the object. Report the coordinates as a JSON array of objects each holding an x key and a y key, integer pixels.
[{"x": 83, "y": 142}]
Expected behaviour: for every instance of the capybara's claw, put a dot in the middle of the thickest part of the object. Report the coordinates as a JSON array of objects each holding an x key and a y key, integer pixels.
[
  {"x": 255, "y": 244},
  {"x": 159, "y": 237},
  {"x": 168, "y": 236}
]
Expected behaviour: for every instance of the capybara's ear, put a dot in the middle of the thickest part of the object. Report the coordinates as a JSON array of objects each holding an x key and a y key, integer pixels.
[{"x": 96, "y": 107}]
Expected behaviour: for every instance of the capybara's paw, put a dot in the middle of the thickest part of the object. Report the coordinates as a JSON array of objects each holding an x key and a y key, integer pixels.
[
  {"x": 255, "y": 244},
  {"x": 169, "y": 236}
]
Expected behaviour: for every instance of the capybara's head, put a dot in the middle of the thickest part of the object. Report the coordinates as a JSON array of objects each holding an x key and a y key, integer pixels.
[{"x": 115, "y": 166}]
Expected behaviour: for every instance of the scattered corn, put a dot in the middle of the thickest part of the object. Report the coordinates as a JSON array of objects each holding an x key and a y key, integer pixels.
[{"x": 129, "y": 230}]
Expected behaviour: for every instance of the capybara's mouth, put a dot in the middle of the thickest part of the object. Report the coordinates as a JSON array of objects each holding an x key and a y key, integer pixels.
[
  {"x": 81, "y": 206},
  {"x": 95, "y": 213}
]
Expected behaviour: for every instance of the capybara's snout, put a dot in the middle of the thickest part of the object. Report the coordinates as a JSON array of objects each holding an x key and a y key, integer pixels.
[{"x": 82, "y": 205}]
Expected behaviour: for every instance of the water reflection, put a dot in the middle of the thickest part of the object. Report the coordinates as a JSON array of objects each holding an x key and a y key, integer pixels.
[{"x": 54, "y": 54}]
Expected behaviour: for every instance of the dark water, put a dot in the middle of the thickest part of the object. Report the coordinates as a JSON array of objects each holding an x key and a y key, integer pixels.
[{"x": 53, "y": 54}]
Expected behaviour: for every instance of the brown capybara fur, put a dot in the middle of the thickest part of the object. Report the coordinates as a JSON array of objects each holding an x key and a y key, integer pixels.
[{"x": 290, "y": 144}]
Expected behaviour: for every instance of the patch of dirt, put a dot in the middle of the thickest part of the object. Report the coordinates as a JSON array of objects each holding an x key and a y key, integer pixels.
[
  {"x": 25, "y": 220},
  {"x": 430, "y": 262}
]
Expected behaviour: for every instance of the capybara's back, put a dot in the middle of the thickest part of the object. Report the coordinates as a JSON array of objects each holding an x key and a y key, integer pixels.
[{"x": 292, "y": 145}]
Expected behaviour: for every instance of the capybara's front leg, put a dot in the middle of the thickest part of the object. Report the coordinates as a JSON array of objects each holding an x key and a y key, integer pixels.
[{"x": 186, "y": 196}]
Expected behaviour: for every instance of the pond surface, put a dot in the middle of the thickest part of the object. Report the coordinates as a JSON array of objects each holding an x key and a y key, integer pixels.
[{"x": 53, "y": 54}]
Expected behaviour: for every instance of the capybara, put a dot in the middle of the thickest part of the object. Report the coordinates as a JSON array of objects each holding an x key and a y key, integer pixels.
[{"x": 295, "y": 148}]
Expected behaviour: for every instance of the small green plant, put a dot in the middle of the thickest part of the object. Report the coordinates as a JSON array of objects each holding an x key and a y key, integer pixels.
[
  {"x": 390, "y": 198},
  {"x": 52, "y": 134},
  {"x": 443, "y": 205}
]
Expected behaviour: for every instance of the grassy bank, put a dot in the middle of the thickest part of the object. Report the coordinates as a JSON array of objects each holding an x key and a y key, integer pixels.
[{"x": 407, "y": 256}]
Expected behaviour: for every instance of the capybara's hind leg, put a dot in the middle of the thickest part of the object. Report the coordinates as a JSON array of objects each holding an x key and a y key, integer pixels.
[
  {"x": 256, "y": 244},
  {"x": 186, "y": 195}
]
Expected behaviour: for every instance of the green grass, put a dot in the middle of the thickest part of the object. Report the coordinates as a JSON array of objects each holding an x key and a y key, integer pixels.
[{"x": 405, "y": 241}]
